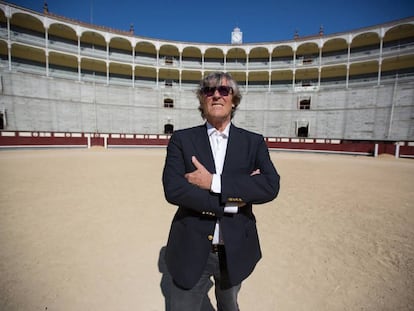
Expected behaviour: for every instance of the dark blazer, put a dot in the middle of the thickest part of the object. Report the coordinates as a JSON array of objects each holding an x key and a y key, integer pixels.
[{"x": 192, "y": 228}]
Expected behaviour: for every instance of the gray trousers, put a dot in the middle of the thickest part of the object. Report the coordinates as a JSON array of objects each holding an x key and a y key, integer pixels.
[{"x": 196, "y": 298}]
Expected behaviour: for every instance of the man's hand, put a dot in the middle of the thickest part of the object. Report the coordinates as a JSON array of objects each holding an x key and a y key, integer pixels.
[
  {"x": 201, "y": 177},
  {"x": 255, "y": 172}
]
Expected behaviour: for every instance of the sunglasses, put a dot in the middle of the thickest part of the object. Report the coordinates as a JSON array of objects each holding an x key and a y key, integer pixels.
[{"x": 222, "y": 89}]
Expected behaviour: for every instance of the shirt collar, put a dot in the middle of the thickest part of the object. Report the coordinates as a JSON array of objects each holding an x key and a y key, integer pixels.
[{"x": 211, "y": 130}]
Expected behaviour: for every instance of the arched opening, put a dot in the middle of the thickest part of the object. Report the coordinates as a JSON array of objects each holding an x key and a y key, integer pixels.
[
  {"x": 168, "y": 103},
  {"x": 302, "y": 128},
  {"x": 303, "y": 131},
  {"x": 168, "y": 128},
  {"x": 304, "y": 103},
  {"x": 2, "y": 120}
]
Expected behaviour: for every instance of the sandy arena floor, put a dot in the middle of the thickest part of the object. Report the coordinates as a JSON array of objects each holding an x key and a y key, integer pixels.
[{"x": 83, "y": 230}]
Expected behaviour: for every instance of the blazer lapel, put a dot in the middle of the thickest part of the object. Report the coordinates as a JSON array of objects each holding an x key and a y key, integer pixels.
[
  {"x": 233, "y": 147},
  {"x": 203, "y": 149}
]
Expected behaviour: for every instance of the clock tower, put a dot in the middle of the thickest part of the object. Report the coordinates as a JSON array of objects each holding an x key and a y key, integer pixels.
[{"x": 236, "y": 36}]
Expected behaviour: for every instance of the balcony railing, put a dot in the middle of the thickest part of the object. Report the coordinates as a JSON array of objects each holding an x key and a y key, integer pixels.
[{"x": 36, "y": 39}]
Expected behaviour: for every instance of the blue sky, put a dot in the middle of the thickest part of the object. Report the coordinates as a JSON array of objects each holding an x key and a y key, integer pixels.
[{"x": 213, "y": 21}]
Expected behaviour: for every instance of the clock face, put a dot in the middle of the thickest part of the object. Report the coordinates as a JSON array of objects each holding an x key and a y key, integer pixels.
[{"x": 236, "y": 37}]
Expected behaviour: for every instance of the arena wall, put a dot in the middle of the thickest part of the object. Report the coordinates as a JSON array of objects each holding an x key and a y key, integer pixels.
[
  {"x": 39, "y": 103},
  {"x": 36, "y": 139}
]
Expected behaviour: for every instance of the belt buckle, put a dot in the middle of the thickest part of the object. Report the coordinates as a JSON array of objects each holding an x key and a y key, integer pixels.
[{"x": 214, "y": 248}]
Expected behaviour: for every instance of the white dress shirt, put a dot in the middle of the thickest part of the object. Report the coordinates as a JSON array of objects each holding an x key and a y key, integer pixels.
[{"x": 218, "y": 143}]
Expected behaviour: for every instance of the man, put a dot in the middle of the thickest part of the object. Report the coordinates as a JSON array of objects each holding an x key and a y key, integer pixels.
[{"x": 214, "y": 173}]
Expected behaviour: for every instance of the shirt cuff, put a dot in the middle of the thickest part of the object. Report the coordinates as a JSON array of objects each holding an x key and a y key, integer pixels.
[
  {"x": 216, "y": 183},
  {"x": 231, "y": 208}
]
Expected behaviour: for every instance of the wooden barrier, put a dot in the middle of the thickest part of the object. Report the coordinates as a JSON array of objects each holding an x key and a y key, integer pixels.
[{"x": 37, "y": 139}]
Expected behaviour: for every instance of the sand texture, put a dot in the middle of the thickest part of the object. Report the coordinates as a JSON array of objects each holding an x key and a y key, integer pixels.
[{"x": 83, "y": 230}]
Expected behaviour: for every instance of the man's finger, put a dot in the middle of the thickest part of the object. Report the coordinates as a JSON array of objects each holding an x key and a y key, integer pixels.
[
  {"x": 197, "y": 164},
  {"x": 256, "y": 172}
]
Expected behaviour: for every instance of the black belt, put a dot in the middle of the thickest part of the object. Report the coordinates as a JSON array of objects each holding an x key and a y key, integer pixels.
[{"x": 215, "y": 248}]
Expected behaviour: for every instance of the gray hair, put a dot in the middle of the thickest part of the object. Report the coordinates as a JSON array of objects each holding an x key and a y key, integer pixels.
[{"x": 215, "y": 79}]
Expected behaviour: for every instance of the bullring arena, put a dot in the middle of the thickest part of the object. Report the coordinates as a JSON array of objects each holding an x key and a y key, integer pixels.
[{"x": 85, "y": 117}]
